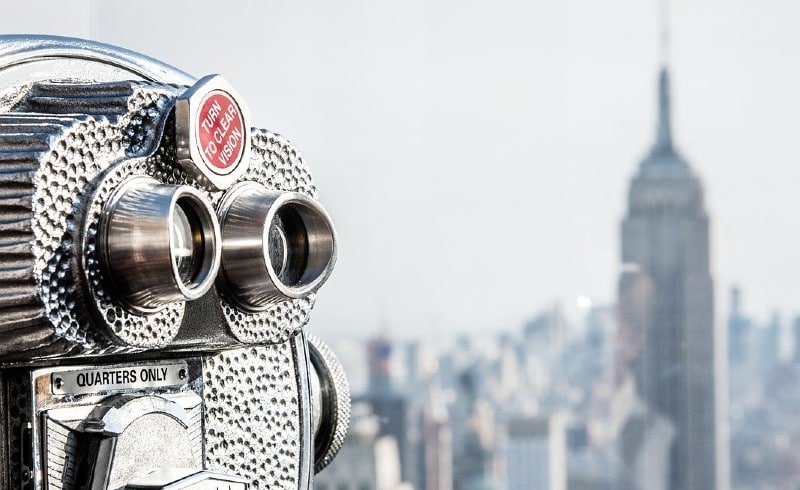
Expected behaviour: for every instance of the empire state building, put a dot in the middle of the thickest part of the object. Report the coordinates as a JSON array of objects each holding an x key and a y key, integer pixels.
[{"x": 670, "y": 348}]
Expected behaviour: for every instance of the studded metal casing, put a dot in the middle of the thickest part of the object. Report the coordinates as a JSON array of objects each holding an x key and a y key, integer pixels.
[
  {"x": 57, "y": 171},
  {"x": 76, "y": 120}
]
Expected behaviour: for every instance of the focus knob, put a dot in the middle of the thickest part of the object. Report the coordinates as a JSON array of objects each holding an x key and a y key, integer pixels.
[{"x": 330, "y": 394}]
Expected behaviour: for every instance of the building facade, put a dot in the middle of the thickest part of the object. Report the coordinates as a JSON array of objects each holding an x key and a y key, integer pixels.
[{"x": 671, "y": 345}]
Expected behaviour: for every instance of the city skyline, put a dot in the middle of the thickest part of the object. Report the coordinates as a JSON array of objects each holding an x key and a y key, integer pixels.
[
  {"x": 518, "y": 398},
  {"x": 386, "y": 104}
]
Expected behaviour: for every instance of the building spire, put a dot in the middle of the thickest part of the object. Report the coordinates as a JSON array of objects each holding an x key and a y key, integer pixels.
[
  {"x": 664, "y": 129},
  {"x": 663, "y": 158},
  {"x": 664, "y": 132}
]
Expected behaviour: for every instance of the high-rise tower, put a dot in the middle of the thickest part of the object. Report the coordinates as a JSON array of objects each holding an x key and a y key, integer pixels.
[{"x": 672, "y": 348}]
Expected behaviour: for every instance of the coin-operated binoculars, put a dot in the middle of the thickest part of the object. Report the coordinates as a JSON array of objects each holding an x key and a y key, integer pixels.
[{"x": 158, "y": 260}]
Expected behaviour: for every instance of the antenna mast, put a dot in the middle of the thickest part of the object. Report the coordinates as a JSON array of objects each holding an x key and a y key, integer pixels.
[{"x": 664, "y": 26}]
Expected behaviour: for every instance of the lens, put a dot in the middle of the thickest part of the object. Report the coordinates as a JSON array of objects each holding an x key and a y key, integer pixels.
[
  {"x": 187, "y": 243},
  {"x": 277, "y": 250},
  {"x": 275, "y": 246},
  {"x": 288, "y": 256}
]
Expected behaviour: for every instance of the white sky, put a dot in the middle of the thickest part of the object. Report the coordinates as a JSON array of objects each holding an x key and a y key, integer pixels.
[{"x": 475, "y": 156}]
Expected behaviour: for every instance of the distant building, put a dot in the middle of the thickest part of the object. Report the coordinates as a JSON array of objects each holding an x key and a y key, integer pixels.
[
  {"x": 366, "y": 462},
  {"x": 740, "y": 332},
  {"x": 796, "y": 338},
  {"x": 379, "y": 359},
  {"x": 767, "y": 346},
  {"x": 474, "y": 438},
  {"x": 436, "y": 452},
  {"x": 666, "y": 315},
  {"x": 536, "y": 454},
  {"x": 390, "y": 406},
  {"x": 548, "y": 331},
  {"x": 429, "y": 436}
]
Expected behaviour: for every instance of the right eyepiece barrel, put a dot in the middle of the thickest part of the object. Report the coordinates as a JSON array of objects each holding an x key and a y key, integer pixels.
[{"x": 275, "y": 246}]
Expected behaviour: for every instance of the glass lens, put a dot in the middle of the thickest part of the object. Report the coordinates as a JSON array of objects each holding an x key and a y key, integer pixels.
[
  {"x": 287, "y": 246},
  {"x": 187, "y": 242},
  {"x": 277, "y": 248}
]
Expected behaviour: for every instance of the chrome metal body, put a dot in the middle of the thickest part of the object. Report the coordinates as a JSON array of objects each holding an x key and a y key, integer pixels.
[{"x": 97, "y": 323}]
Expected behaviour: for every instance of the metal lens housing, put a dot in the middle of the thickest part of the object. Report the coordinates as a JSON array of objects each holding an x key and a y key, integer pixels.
[
  {"x": 160, "y": 244},
  {"x": 275, "y": 246}
]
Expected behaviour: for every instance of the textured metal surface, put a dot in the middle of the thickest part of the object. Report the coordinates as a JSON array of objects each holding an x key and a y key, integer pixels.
[
  {"x": 156, "y": 329},
  {"x": 335, "y": 413},
  {"x": 255, "y": 421},
  {"x": 282, "y": 169},
  {"x": 19, "y": 400},
  {"x": 5, "y": 439},
  {"x": 58, "y": 171},
  {"x": 65, "y": 154}
]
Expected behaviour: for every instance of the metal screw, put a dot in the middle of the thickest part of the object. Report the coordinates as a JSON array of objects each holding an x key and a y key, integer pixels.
[
  {"x": 58, "y": 383},
  {"x": 182, "y": 374}
]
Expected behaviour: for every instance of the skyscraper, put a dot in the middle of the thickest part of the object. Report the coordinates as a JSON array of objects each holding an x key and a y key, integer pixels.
[
  {"x": 389, "y": 404},
  {"x": 670, "y": 343},
  {"x": 536, "y": 453}
]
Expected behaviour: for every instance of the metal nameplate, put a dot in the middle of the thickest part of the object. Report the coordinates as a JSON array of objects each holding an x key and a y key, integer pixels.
[{"x": 99, "y": 379}]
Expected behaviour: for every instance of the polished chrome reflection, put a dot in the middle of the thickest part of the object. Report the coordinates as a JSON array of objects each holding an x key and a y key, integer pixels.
[
  {"x": 275, "y": 246},
  {"x": 160, "y": 244},
  {"x": 317, "y": 401}
]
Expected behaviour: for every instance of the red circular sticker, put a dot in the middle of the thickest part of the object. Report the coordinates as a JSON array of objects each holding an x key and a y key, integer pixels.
[{"x": 220, "y": 130}]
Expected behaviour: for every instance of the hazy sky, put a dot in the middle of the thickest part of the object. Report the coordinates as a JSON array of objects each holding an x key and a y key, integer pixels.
[{"x": 475, "y": 156}]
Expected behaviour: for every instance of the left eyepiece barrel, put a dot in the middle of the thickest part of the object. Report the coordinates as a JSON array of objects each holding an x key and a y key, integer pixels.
[{"x": 160, "y": 244}]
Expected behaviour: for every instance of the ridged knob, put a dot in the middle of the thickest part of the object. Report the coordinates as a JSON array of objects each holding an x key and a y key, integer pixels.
[{"x": 333, "y": 415}]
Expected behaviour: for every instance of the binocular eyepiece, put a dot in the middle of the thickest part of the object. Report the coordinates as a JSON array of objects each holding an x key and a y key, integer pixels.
[
  {"x": 159, "y": 244},
  {"x": 274, "y": 246},
  {"x": 164, "y": 243}
]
